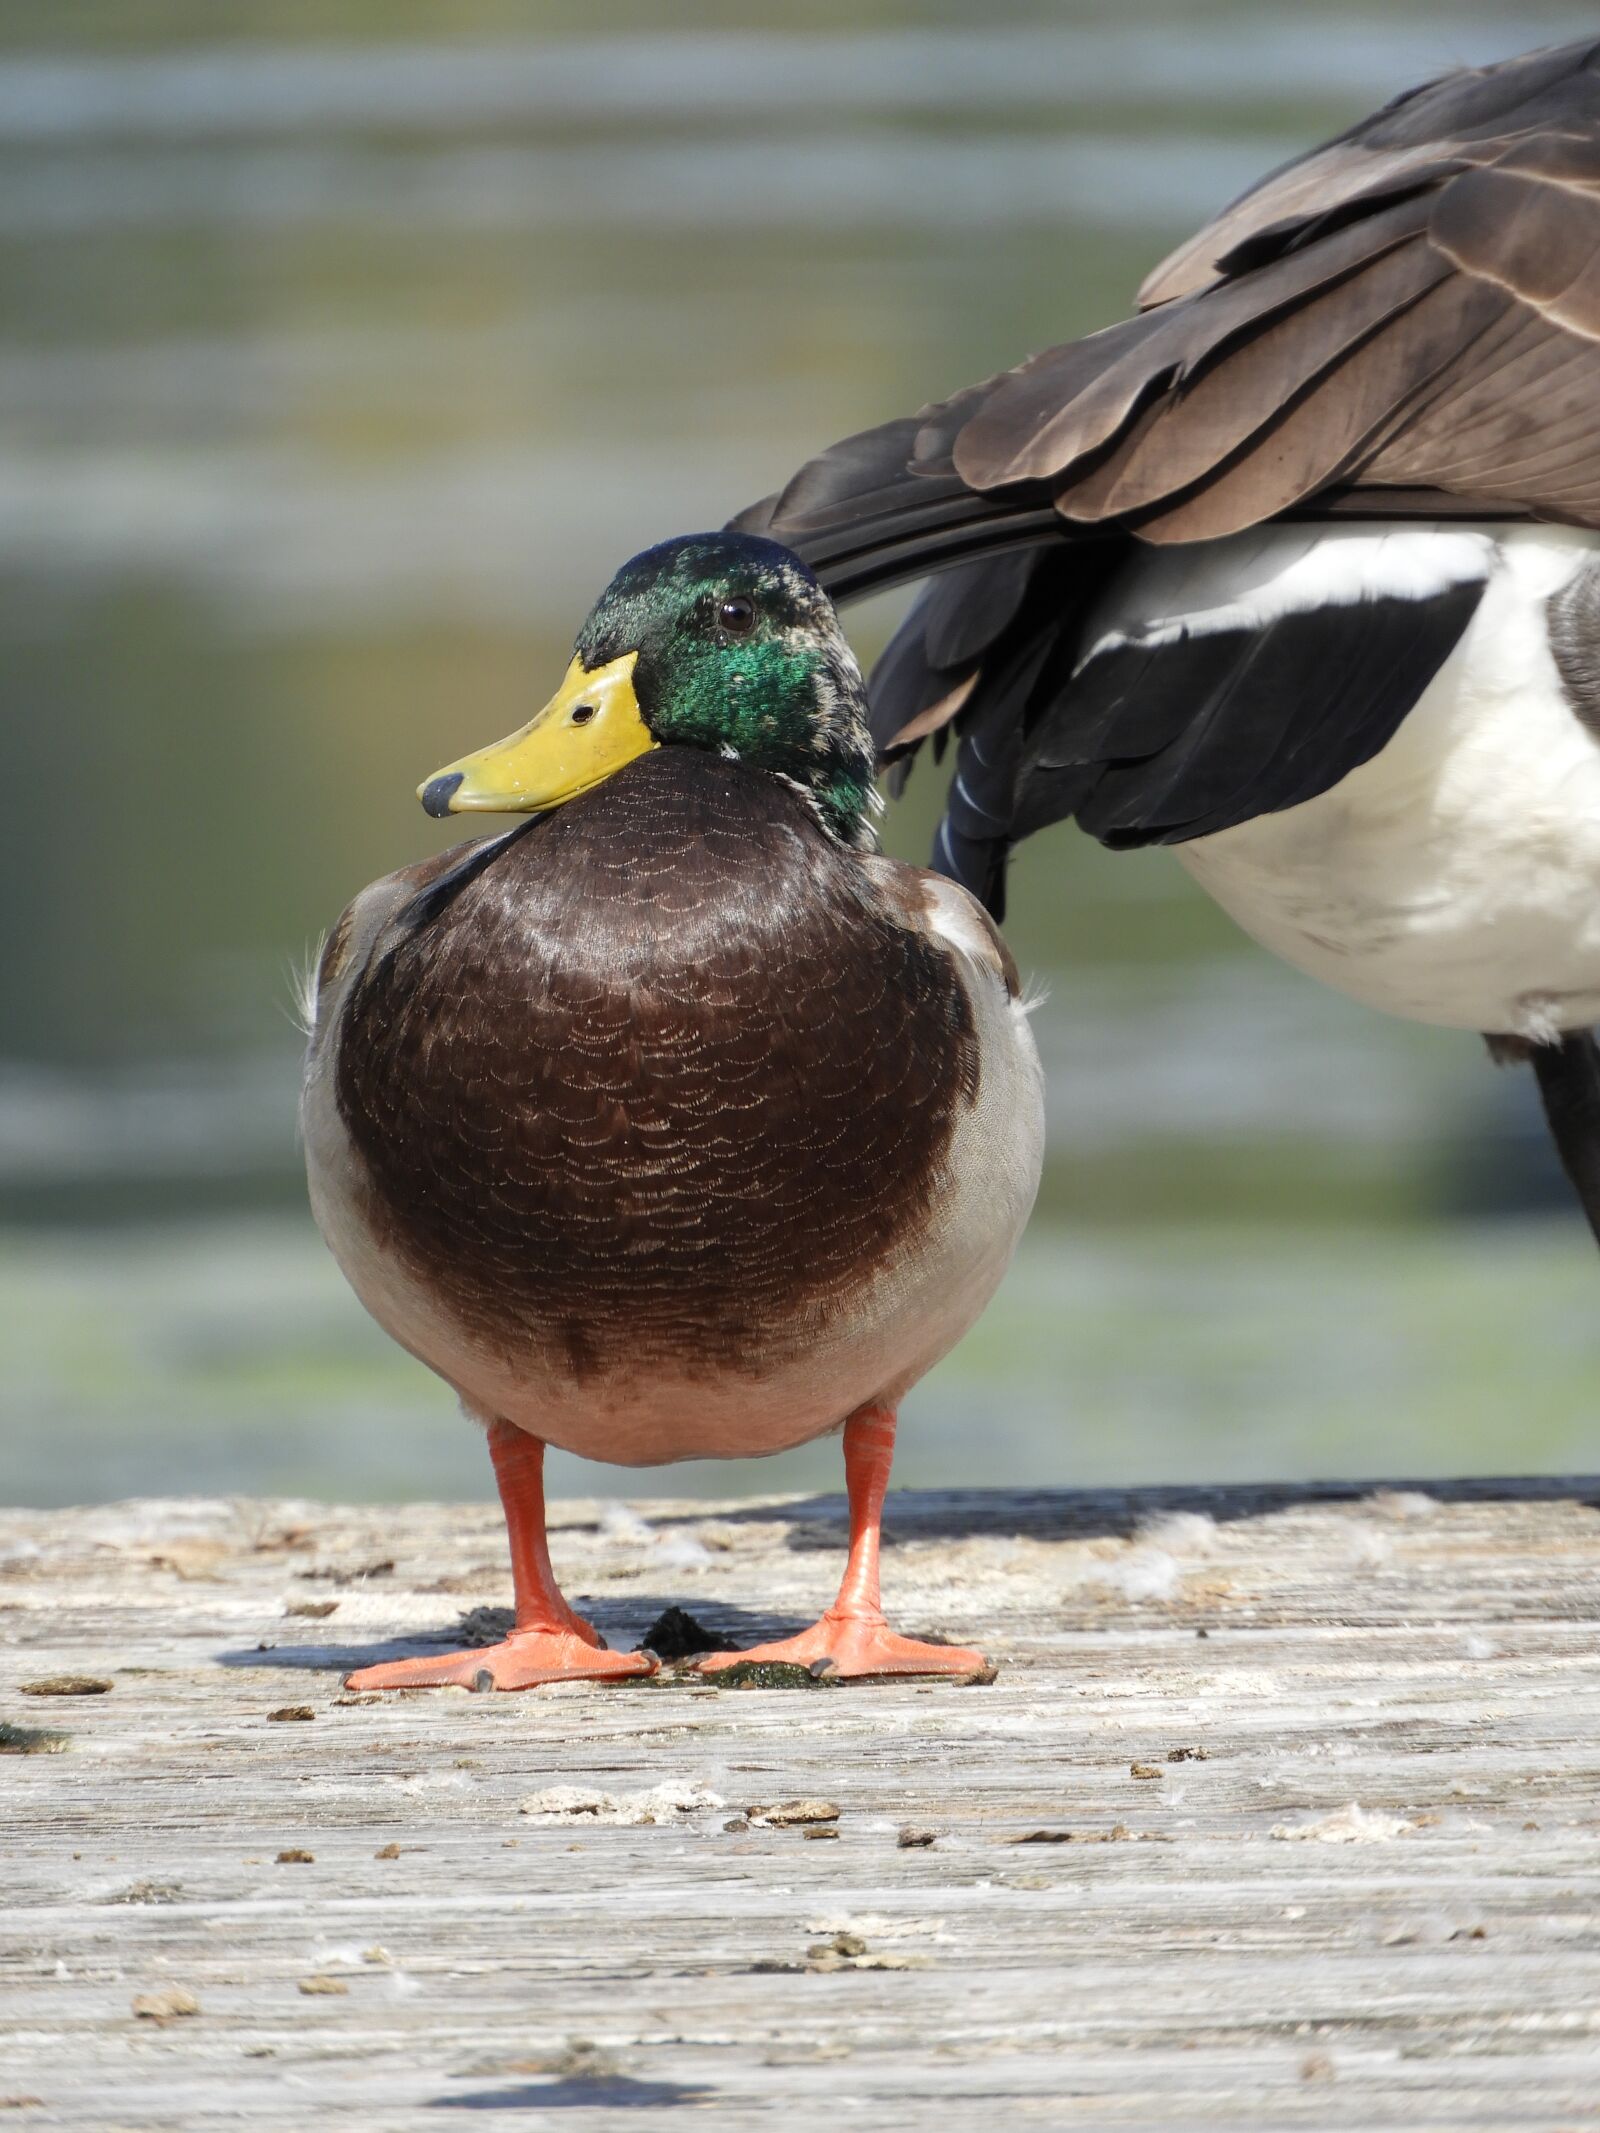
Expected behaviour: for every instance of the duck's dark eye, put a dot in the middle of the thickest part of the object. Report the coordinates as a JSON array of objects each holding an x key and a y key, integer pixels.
[
  {"x": 582, "y": 713},
  {"x": 737, "y": 616}
]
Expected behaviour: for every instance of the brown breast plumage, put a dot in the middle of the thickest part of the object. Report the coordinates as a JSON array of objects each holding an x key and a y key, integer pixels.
[{"x": 660, "y": 1081}]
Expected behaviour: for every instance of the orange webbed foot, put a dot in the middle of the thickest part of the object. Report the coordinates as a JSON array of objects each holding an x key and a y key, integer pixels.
[
  {"x": 526, "y": 1659},
  {"x": 855, "y": 1647}
]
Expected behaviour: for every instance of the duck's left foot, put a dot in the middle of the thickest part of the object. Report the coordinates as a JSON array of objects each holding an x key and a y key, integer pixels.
[
  {"x": 855, "y": 1646},
  {"x": 526, "y": 1660}
]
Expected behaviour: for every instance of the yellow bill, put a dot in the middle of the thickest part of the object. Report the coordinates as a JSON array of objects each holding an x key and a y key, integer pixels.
[{"x": 585, "y": 733}]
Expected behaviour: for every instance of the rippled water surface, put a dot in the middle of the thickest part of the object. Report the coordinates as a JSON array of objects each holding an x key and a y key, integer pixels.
[{"x": 344, "y": 352}]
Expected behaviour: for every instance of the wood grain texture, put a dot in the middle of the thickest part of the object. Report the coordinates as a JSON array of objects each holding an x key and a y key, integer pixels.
[{"x": 1373, "y": 1901}]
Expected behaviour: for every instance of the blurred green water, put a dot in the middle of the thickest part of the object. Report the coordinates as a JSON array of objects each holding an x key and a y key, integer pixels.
[
  {"x": 344, "y": 351},
  {"x": 225, "y": 1357}
]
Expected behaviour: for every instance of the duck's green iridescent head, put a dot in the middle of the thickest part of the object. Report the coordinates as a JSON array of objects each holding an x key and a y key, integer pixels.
[{"x": 718, "y": 641}]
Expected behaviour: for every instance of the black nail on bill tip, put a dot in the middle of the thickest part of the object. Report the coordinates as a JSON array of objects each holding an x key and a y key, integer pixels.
[{"x": 438, "y": 793}]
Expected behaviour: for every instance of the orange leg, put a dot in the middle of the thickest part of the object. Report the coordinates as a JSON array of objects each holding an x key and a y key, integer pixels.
[
  {"x": 549, "y": 1641},
  {"x": 853, "y": 1634}
]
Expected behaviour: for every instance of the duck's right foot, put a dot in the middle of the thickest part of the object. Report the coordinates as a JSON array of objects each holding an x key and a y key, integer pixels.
[{"x": 527, "y": 1659}]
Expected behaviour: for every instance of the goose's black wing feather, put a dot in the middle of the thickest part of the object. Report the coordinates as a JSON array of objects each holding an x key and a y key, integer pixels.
[
  {"x": 981, "y": 650},
  {"x": 1202, "y": 724}
]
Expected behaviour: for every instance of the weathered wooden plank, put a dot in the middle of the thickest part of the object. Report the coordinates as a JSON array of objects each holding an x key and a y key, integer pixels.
[{"x": 1371, "y": 1901}]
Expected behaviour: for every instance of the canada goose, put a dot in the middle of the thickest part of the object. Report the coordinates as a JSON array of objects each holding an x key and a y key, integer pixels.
[{"x": 1297, "y": 570}]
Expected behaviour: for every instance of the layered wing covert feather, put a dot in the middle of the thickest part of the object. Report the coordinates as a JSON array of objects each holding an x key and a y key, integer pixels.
[{"x": 1403, "y": 325}]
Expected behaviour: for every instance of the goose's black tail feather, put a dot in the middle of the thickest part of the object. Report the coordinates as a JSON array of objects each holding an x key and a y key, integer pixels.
[
  {"x": 982, "y": 651},
  {"x": 984, "y": 639}
]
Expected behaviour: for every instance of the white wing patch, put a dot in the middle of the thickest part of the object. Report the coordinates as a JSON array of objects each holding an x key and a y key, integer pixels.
[{"x": 1253, "y": 578}]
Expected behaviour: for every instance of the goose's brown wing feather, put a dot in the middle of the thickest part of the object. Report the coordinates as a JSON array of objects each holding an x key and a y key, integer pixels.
[
  {"x": 1463, "y": 120},
  {"x": 1403, "y": 324},
  {"x": 1379, "y": 318}
]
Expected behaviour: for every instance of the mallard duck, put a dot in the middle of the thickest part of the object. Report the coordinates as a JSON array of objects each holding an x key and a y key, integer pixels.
[
  {"x": 675, "y": 1122},
  {"x": 1297, "y": 571}
]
